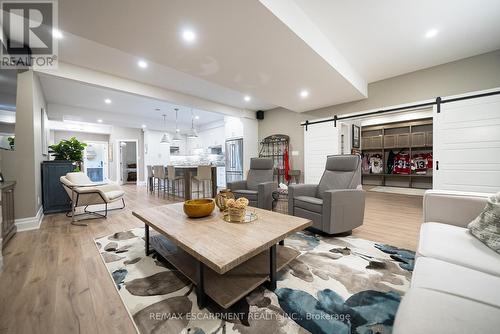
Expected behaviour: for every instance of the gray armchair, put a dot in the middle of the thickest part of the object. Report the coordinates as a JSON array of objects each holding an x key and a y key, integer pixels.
[
  {"x": 337, "y": 204},
  {"x": 259, "y": 186}
]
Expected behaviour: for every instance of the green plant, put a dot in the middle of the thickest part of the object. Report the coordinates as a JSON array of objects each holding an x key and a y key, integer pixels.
[
  {"x": 11, "y": 142},
  {"x": 71, "y": 150}
]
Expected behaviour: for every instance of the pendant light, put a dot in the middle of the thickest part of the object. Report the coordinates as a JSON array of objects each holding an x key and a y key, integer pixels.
[
  {"x": 165, "y": 139},
  {"x": 177, "y": 135},
  {"x": 192, "y": 133}
]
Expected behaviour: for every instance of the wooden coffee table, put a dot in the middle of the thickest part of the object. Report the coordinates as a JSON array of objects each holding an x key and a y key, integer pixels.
[{"x": 224, "y": 260}]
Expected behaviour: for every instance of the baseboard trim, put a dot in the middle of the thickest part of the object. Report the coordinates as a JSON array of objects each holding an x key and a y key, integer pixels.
[{"x": 30, "y": 223}]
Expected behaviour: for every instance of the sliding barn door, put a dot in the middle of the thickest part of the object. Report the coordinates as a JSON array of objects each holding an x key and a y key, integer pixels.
[
  {"x": 467, "y": 145},
  {"x": 320, "y": 140}
]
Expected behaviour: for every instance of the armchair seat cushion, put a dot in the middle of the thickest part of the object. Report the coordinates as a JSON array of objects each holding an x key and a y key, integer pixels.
[
  {"x": 114, "y": 195},
  {"x": 251, "y": 195},
  {"x": 309, "y": 203}
]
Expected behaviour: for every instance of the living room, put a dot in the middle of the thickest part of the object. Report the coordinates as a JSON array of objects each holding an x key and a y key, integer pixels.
[{"x": 333, "y": 168}]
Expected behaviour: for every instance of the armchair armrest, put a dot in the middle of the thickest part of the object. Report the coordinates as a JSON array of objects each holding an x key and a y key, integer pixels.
[
  {"x": 295, "y": 190},
  {"x": 343, "y": 210},
  {"x": 237, "y": 185},
  {"x": 453, "y": 207},
  {"x": 265, "y": 192}
]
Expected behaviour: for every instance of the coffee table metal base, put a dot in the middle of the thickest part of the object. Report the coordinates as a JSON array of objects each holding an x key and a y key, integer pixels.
[{"x": 230, "y": 287}]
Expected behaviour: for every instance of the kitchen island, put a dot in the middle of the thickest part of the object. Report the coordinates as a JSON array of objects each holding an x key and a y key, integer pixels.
[{"x": 188, "y": 172}]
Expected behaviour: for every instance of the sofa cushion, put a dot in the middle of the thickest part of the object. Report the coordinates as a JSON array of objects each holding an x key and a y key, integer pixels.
[
  {"x": 309, "y": 203},
  {"x": 78, "y": 178},
  {"x": 456, "y": 280},
  {"x": 486, "y": 226},
  {"x": 251, "y": 195},
  {"x": 114, "y": 194},
  {"x": 457, "y": 245},
  {"x": 432, "y": 312}
]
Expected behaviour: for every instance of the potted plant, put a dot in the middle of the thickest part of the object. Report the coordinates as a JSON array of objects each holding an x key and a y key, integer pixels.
[{"x": 69, "y": 150}]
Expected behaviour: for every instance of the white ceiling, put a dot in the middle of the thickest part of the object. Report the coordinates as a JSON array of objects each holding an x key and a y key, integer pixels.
[
  {"x": 71, "y": 100},
  {"x": 385, "y": 38},
  {"x": 272, "y": 49},
  {"x": 241, "y": 46}
]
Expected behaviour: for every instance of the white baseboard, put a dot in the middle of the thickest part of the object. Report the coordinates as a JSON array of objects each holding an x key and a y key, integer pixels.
[{"x": 30, "y": 223}]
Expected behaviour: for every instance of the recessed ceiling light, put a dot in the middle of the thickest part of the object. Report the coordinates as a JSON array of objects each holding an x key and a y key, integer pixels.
[
  {"x": 143, "y": 126},
  {"x": 99, "y": 120},
  {"x": 142, "y": 64},
  {"x": 157, "y": 109},
  {"x": 57, "y": 34},
  {"x": 107, "y": 101},
  {"x": 196, "y": 117},
  {"x": 304, "y": 93},
  {"x": 189, "y": 35},
  {"x": 247, "y": 98},
  {"x": 431, "y": 33}
]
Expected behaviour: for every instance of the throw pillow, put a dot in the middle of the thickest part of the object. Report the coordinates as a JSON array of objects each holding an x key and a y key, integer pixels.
[{"x": 486, "y": 227}]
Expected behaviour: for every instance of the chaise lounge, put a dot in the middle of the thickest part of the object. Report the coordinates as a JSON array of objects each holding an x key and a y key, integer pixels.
[{"x": 83, "y": 193}]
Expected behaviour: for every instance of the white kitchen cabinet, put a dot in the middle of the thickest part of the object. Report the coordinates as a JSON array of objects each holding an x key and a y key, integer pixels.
[{"x": 221, "y": 176}]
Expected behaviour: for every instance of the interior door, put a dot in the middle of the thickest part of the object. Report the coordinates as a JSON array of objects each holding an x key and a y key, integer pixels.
[{"x": 467, "y": 145}]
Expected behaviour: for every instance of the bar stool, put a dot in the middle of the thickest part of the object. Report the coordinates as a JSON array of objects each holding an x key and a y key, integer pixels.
[
  {"x": 203, "y": 174},
  {"x": 173, "y": 180},
  {"x": 159, "y": 175},
  {"x": 151, "y": 180}
]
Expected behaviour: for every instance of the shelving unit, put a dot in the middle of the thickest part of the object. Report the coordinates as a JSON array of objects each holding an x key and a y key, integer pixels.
[
  {"x": 274, "y": 147},
  {"x": 410, "y": 137}
]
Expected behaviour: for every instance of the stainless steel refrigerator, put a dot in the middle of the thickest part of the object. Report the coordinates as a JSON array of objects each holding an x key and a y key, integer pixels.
[{"x": 234, "y": 160}]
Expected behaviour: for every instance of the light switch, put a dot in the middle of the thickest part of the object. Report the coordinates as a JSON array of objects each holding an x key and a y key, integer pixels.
[{"x": 295, "y": 153}]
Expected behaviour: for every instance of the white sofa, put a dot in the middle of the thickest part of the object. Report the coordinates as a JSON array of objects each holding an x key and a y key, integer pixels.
[{"x": 455, "y": 286}]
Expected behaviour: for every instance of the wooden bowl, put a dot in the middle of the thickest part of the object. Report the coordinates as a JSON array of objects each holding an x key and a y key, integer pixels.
[{"x": 197, "y": 208}]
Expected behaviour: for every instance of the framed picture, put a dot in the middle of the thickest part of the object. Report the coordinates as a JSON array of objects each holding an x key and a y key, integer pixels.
[{"x": 356, "y": 132}]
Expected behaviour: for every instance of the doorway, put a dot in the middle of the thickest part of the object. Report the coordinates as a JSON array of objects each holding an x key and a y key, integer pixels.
[
  {"x": 95, "y": 161},
  {"x": 127, "y": 161}
]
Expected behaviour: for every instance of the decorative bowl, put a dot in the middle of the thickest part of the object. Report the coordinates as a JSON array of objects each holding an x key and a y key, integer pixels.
[{"x": 197, "y": 208}]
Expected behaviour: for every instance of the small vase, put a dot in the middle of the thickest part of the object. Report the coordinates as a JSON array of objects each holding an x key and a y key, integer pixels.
[{"x": 222, "y": 197}]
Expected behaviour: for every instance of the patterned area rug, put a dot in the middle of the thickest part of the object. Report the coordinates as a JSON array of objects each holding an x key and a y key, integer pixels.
[{"x": 336, "y": 285}]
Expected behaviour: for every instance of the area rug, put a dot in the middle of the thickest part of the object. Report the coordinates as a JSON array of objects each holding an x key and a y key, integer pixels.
[
  {"x": 335, "y": 285},
  {"x": 399, "y": 190}
]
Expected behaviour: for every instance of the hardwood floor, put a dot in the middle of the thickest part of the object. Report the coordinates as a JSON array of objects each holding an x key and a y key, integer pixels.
[
  {"x": 54, "y": 281},
  {"x": 392, "y": 219}
]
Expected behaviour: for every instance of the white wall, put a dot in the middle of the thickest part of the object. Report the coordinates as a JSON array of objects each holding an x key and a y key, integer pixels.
[
  {"x": 23, "y": 164},
  {"x": 56, "y": 136},
  {"x": 250, "y": 142}
]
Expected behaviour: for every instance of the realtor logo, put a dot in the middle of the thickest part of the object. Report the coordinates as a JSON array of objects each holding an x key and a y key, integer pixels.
[{"x": 27, "y": 39}]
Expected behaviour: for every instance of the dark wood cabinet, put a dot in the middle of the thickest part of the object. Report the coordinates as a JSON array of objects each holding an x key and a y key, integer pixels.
[
  {"x": 7, "y": 211},
  {"x": 54, "y": 197}
]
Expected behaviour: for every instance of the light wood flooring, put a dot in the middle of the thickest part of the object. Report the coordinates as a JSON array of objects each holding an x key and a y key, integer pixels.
[{"x": 54, "y": 281}]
